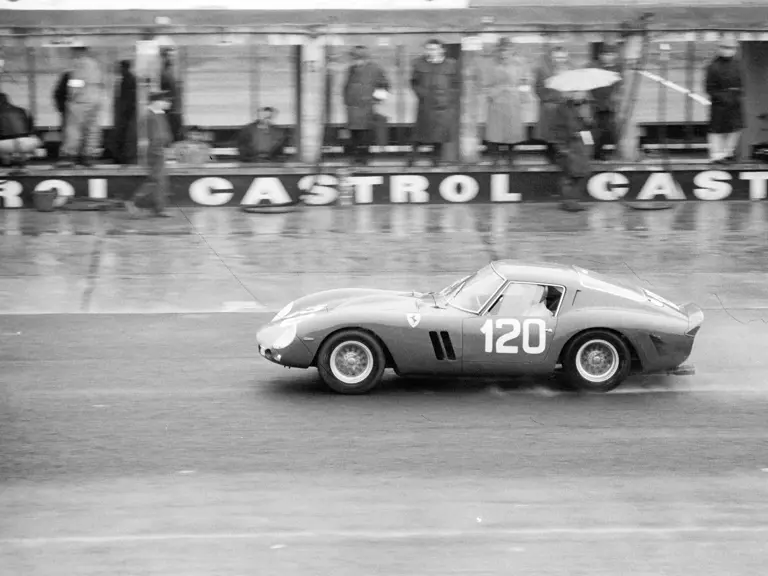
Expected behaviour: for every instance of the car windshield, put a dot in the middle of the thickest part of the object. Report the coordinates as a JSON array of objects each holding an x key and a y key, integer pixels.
[{"x": 473, "y": 292}]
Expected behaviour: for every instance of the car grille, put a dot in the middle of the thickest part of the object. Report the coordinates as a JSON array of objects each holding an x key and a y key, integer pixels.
[{"x": 442, "y": 345}]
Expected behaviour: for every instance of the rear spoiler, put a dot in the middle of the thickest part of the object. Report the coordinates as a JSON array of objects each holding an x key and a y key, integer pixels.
[{"x": 695, "y": 318}]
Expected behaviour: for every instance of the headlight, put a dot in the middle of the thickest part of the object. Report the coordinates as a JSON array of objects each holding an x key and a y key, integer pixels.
[
  {"x": 286, "y": 336},
  {"x": 283, "y": 313}
]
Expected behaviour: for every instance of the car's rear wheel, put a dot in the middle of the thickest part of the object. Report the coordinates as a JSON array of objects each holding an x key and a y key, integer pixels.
[
  {"x": 597, "y": 361},
  {"x": 351, "y": 362}
]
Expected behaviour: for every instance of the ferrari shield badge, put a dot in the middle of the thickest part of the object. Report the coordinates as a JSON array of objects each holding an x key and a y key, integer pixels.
[{"x": 413, "y": 319}]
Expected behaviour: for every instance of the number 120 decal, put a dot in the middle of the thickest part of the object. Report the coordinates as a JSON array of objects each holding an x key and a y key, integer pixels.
[{"x": 501, "y": 343}]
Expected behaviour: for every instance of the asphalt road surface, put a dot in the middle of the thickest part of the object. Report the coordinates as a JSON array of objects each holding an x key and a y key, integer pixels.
[{"x": 161, "y": 444}]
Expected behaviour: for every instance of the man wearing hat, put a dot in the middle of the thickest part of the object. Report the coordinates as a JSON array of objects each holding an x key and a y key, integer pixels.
[
  {"x": 366, "y": 84},
  {"x": 155, "y": 189},
  {"x": 606, "y": 102},
  {"x": 724, "y": 85},
  {"x": 82, "y": 131}
]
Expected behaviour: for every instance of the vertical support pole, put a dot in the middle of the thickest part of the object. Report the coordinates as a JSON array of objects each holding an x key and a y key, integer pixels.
[
  {"x": 400, "y": 85},
  {"x": 254, "y": 69},
  {"x": 312, "y": 72},
  {"x": 182, "y": 71},
  {"x": 32, "y": 81},
  {"x": 469, "y": 141},
  {"x": 690, "y": 79}
]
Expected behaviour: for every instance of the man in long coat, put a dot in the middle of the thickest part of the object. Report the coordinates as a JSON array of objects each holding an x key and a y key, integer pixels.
[
  {"x": 554, "y": 62},
  {"x": 571, "y": 126},
  {"x": 82, "y": 132},
  {"x": 724, "y": 86},
  {"x": 155, "y": 190},
  {"x": 124, "y": 145},
  {"x": 435, "y": 80},
  {"x": 364, "y": 78}
]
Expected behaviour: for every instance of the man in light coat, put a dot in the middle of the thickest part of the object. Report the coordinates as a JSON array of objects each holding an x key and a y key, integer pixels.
[{"x": 82, "y": 131}]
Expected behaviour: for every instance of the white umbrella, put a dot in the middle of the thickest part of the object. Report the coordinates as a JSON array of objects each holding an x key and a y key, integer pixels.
[{"x": 582, "y": 80}]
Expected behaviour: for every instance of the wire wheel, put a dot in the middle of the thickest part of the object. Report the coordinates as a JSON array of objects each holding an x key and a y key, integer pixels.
[
  {"x": 597, "y": 361},
  {"x": 351, "y": 362}
]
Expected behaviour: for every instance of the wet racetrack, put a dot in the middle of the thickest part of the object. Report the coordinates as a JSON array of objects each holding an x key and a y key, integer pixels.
[{"x": 141, "y": 433}]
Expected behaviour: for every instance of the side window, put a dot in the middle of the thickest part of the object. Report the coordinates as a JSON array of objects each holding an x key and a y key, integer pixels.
[{"x": 522, "y": 300}]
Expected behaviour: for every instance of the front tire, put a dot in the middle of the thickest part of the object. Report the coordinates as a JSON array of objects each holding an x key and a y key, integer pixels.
[
  {"x": 351, "y": 362},
  {"x": 597, "y": 361}
]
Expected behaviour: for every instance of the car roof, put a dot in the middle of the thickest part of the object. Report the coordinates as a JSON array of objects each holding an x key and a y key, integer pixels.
[{"x": 539, "y": 272}]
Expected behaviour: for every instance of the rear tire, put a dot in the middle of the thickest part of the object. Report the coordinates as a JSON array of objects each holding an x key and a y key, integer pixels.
[
  {"x": 596, "y": 361},
  {"x": 351, "y": 362}
]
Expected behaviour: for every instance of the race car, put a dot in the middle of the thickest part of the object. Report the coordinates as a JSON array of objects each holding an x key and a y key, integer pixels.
[{"x": 508, "y": 318}]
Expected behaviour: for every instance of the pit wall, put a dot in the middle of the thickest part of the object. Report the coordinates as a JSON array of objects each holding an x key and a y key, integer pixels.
[{"x": 233, "y": 187}]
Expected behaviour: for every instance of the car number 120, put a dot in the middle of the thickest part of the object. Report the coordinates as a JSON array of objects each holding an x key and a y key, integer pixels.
[{"x": 502, "y": 346}]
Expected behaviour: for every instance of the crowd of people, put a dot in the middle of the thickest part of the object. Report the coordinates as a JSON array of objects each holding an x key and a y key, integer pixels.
[{"x": 435, "y": 78}]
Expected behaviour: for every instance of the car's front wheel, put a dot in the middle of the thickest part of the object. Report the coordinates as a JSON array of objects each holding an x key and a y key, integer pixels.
[
  {"x": 351, "y": 362},
  {"x": 597, "y": 361}
]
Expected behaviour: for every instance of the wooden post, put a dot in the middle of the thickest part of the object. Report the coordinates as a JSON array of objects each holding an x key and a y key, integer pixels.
[
  {"x": 629, "y": 146},
  {"x": 254, "y": 67},
  {"x": 32, "y": 82},
  {"x": 469, "y": 140},
  {"x": 312, "y": 59}
]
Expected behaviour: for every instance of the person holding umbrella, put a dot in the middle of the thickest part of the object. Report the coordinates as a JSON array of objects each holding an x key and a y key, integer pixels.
[{"x": 572, "y": 125}]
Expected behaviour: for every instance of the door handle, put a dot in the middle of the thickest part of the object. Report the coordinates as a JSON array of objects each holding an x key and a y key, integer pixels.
[{"x": 549, "y": 330}]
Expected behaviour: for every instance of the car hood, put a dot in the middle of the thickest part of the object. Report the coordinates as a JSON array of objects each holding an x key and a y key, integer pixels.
[{"x": 382, "y": 300}]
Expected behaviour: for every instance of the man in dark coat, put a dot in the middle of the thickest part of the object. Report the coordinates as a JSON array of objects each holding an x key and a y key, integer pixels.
[
  {"x": 60, "y": 97},
  {"x": 606, "y": 102},
  {"x": 262, "y": 140},
  {"x": 155, "y": 190},
  {"x": 18, "y": 140},
  {"x": 572, "y": 138},
  {"x": 724, "y": 85},
  {"x": 435, "y": 80},
  {"x": 365, "y": 81},
  {"x": 124, "y": 145}
]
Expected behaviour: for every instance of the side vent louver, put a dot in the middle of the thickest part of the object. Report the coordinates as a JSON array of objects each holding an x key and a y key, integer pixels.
[{"x": 442, "y": 345}]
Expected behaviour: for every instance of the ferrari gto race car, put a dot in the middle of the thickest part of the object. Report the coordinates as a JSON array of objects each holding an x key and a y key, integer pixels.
[{"x": 507, "y": 318}]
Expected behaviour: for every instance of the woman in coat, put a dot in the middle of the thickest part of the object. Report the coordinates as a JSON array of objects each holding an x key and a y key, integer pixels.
[
  {"x": 504, "y": 126},
  {"x": 553, "y": 63}
]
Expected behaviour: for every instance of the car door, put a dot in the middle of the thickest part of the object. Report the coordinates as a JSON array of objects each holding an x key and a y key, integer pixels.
[{"x": 515, "y": 332}]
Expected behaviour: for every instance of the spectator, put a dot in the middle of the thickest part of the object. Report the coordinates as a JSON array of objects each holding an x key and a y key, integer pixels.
[
  {"x": 82, "y": 133},
  {"x": 570, "y": 129},
  {"x": 125, "y": 135},
  {"x": 504, "y": 126},
  {"x": 194, "y": 150},
  {"x": 363, "y": 88},
  {"x": 18, "y": 140},
  {"x": 554, "y": 62},
  {"x": 60, "y": 97},
  {"x": 606, "y": 101},
  {"x": 435, "y": 80},
  {"x": 170, "y": 84},
  {"x": 155, "y": 190},
  {"x": 261, "y": 140},
  {"x": 724, "y": 85}
]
